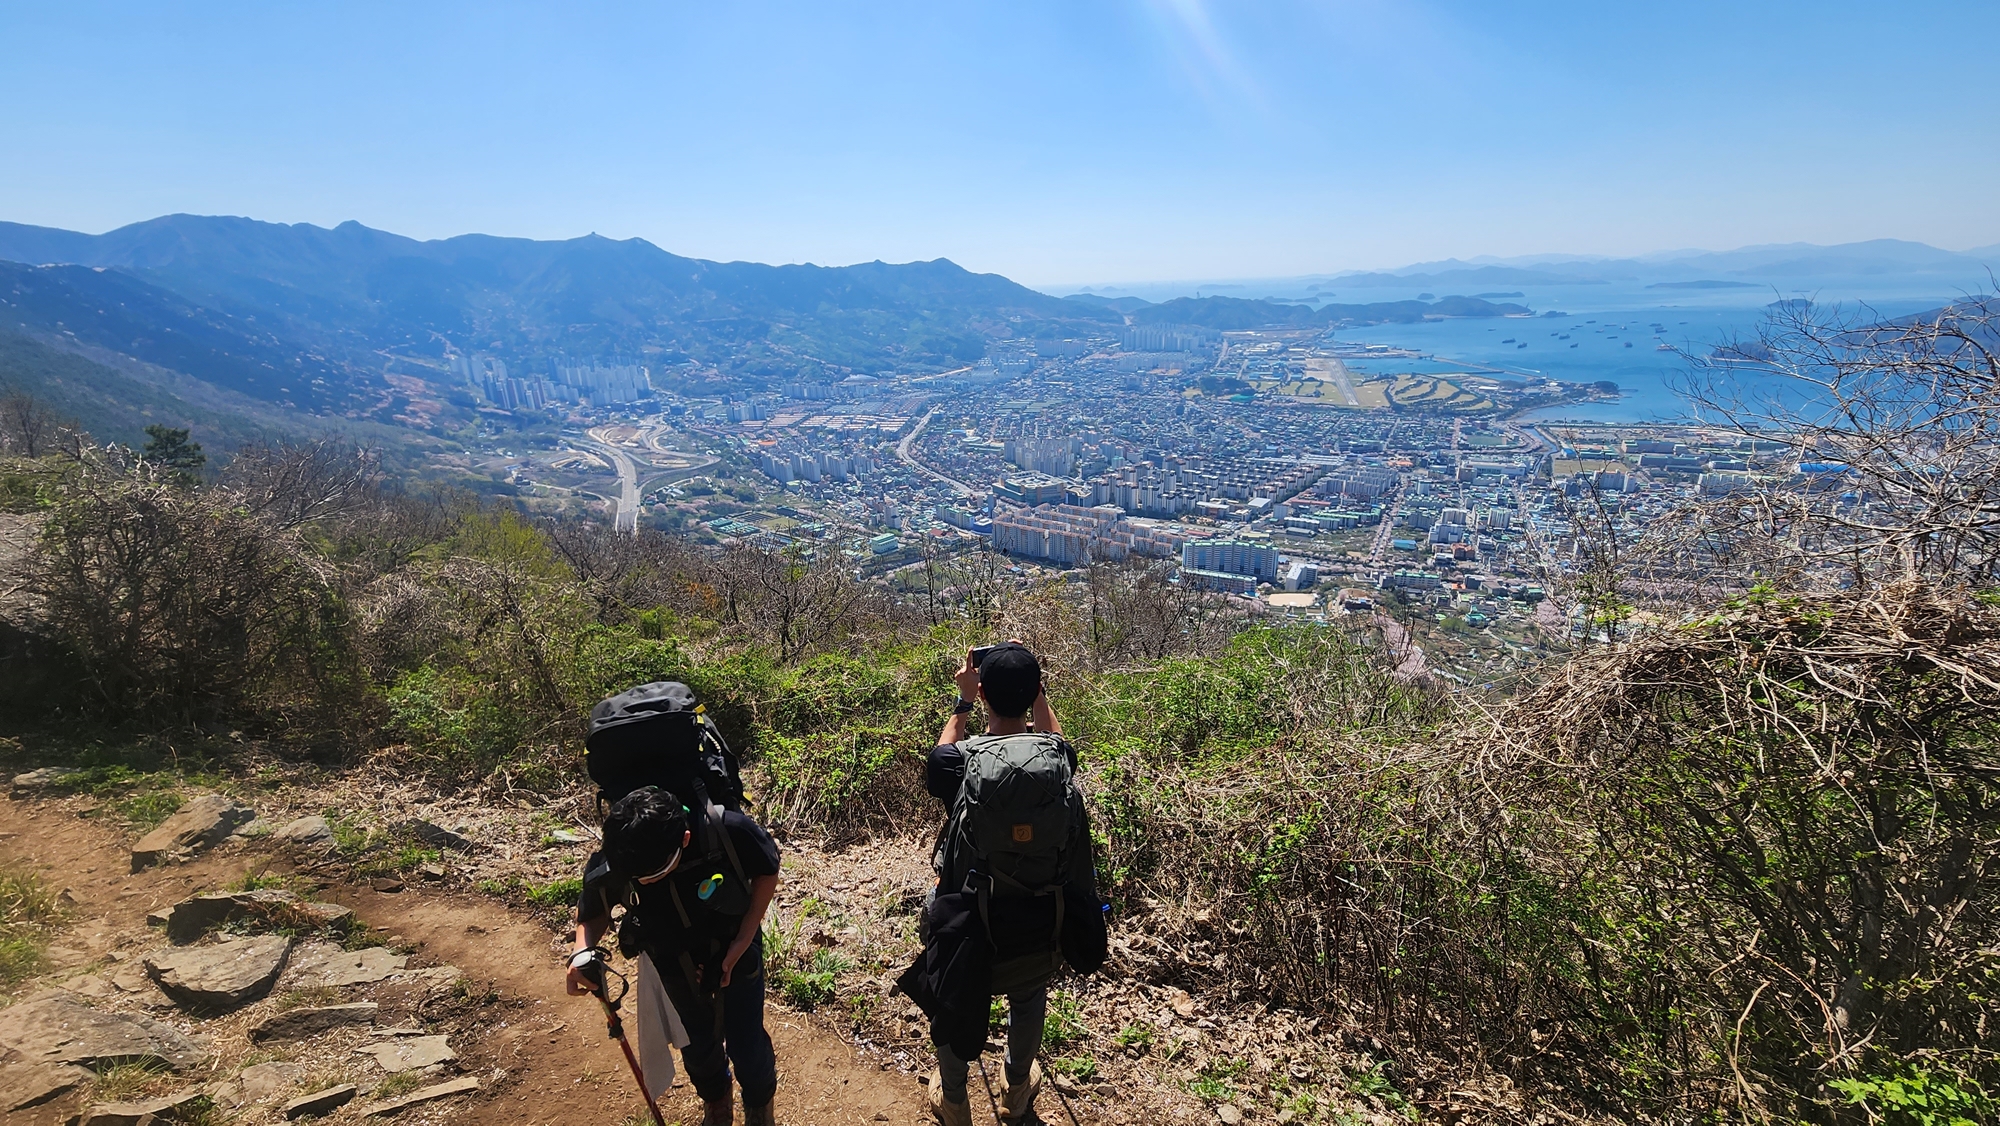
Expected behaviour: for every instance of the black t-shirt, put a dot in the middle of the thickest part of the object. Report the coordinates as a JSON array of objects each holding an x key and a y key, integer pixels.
[{"x": 654, "y": 916}]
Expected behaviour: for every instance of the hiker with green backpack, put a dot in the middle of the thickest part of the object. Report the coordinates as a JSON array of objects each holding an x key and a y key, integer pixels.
[{"x": 1016, "y": 896}]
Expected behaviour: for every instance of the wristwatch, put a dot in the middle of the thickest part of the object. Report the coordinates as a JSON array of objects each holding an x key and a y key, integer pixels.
[{"x": 962, "y": 707}]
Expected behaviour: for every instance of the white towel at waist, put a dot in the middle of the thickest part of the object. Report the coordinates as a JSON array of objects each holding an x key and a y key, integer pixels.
[{"x": 660, "y": 1030}]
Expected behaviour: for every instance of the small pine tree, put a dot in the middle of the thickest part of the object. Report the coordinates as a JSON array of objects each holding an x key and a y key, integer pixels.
[{"x": 170, "y": 449}]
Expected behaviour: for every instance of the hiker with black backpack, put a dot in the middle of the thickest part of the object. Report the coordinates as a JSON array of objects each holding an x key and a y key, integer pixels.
[
  {"x": 694, "y": 876},
  {"x": 1016, "y": 896}
]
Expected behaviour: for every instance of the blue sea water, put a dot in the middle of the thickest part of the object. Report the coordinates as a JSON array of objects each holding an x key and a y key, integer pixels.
[{"x": 1601, "y": 320}]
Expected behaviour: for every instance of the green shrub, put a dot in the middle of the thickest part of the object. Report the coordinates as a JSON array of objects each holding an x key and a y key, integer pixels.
[
  {"x": 1918, "y": 1096},
  {"x": 29, "y": 910}
]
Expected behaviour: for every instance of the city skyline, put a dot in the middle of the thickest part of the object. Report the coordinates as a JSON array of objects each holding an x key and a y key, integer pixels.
[{"x": 1057, "y": 146}]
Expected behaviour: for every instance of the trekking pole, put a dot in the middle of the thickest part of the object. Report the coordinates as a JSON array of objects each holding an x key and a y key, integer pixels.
[
  {"x": 988, "y": 1084},
  {"x": 596, "y": 971}
]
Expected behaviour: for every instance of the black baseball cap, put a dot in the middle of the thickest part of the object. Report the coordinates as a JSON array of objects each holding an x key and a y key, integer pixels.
[{"x": 1010, "y": 677}]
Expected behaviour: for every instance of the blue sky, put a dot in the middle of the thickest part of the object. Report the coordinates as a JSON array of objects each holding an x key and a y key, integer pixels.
[{"x": 1070, "y": 142}]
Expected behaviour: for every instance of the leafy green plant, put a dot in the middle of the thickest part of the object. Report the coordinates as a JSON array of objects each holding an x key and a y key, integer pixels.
[
  {"x": 1918, "y": 1096},
  {"x": 556, "y": 894},
  {"x": 1081, "y": 1068},
  {"x": 1064, "y": 1024},
  {"x": 809, "y": 986},
  {"x": 1135, "y": 1037}
]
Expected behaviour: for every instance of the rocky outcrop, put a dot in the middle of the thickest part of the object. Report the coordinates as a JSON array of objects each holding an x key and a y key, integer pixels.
[
  {"x": 35, "y": 782},
  {"x": 190, "y": 919},
  {"x": 305, "y": 831},
  {"x": 199, "y": 825},
  {"x": 144, "y": 1113},
  {"x": 23, "y": 1085},
  {"x": 424, "y": 1095},
  {"x": 220, "y": 976},
  {"x": 324, "y": 965},
  {"x": 258, "y": 1083},
  {"x": 412, "y": 1052},
  {"x": 319, "y": 1102},
  {"x": 295, "y": 1023},
  {"x": 57, "y": 1028}
]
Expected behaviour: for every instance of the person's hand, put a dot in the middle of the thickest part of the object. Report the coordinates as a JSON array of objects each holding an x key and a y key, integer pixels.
[
  {"x": 967, "y": 679},
  {"x": 734, "y": 955},
  {"x": 577, "y": 984}
]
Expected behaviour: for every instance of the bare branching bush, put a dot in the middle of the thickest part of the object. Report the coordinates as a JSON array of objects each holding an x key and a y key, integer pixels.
[
  {"x": 795, "y": 603},
  {"x": 1140, "y": 611},
  {"x": 1890, "y": 431},
  {"x": 293, "y": 485},
  {"x": 1794, "y": 806},
  {"x": 28, "y": 427},
  {"x": 183, "y": 606}
]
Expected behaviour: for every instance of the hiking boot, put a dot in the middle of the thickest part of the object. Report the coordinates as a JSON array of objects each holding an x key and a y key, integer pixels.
[
  {"x": 948, "y": 1113},
  {"x": 1017, "y": 1100},
  {"x": 766, "y": 1115},
  {"x": 718, "y": 1112}
]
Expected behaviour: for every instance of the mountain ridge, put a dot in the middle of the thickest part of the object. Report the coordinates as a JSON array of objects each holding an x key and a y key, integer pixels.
[{"x": 335, "y": 321}]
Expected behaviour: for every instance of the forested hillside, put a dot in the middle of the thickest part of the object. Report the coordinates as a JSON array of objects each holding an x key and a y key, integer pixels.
[{"x": 350, "y": 291}]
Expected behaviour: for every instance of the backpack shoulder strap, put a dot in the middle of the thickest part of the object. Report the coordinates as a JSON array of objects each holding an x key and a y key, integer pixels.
[{"x": 716, "y": 832}]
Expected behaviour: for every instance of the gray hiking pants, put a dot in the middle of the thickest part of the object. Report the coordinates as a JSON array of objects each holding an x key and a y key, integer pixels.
[{"x": 1027, "y": 1009}]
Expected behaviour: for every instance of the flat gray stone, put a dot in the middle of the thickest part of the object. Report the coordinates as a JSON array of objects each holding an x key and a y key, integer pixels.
[
  {"x": 322, "y": 964},
  {"x": 436, "y": 836},
  {"x": 116, "y": 1114},
  {"x": 312, "y": 829},
  {"x": 320, "y": 1102},
  {"x": 143, "y": 1113},
  {"x": 200, "y": 824},
  {"x": 57, "y": 1028},
  {"x": 294, "y": 1023},
  {"x": 220, "y": 976},
  {"x": 36, "y": 781},
  {"x": 189, "y": 919},
  {"x": 259, "y": 1082},
  {"x": 23, "y": 1085},
  {"x": 439, "y": 1091},
  {"x": 404, "y": 1054}
]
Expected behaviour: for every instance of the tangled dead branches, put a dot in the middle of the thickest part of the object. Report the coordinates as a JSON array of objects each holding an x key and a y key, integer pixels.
[{"x": 1799, "y": 801}]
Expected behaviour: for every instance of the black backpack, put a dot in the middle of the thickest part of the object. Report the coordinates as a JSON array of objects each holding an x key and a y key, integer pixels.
[{"x": 657, "y": 735}]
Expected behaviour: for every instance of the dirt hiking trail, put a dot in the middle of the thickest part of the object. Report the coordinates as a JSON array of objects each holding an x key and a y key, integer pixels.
[{"x": 539, "y": 1056}]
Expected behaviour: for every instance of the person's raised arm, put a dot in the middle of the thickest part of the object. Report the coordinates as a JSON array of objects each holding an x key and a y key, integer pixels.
[
  {"x": 1045, "y": 715},
  {"x": 955, "y": 724}
]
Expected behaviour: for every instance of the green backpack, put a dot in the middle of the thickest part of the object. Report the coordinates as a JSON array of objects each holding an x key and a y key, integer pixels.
[{"x": 1009, "y": 834}]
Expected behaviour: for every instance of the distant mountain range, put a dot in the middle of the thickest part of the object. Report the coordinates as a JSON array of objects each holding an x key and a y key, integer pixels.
[
  {"x": 1236, "y": 313},
  {"x": 311, "y": 320},
  {"x": 1857, "y": 267},
  {"x": 249, "y": 328},
  {"x": 1750, "y": 265}
]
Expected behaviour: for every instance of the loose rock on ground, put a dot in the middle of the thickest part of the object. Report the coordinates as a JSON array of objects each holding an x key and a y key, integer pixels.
[
  {"x": 199, "y": 825},
  {"x": 220, "y": 976}
]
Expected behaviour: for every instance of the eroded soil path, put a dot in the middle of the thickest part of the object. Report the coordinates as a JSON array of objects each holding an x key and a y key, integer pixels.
[{"x": 540, "y": 1056}]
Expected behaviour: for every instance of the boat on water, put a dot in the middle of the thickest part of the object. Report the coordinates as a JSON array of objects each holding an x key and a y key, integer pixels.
[
  {"x": 1628, "y": 344},
  {"x": 1663, "y": 347}
]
